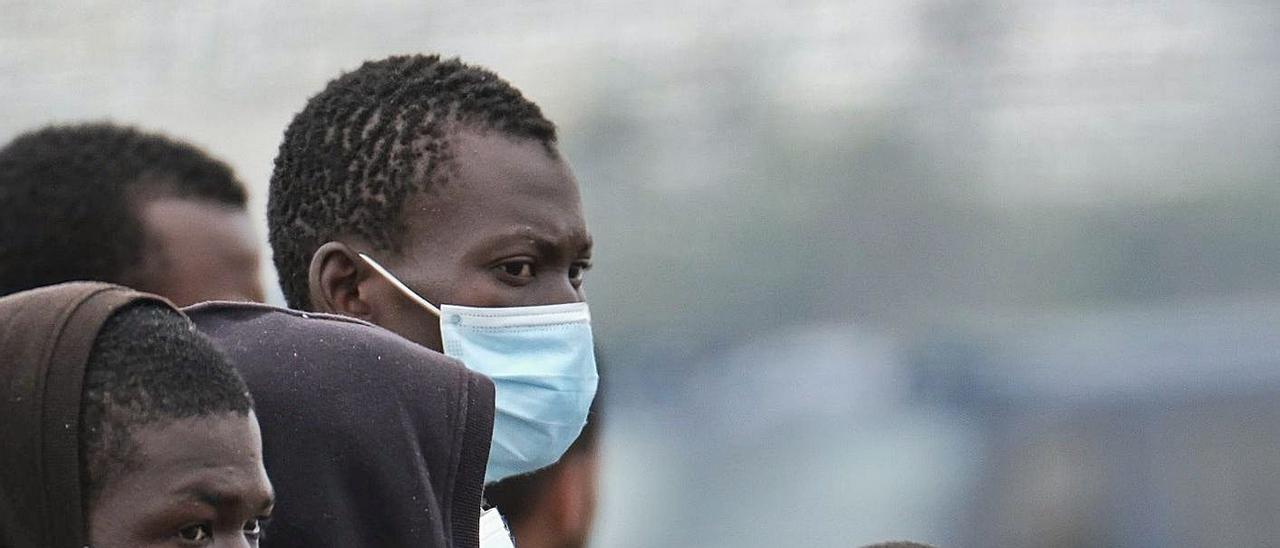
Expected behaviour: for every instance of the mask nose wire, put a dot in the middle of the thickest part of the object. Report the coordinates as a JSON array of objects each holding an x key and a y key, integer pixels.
[{"x": 399, "y": 285}]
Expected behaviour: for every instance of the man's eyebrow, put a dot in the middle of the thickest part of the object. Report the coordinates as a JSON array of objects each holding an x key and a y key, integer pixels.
[
  {"x": 211, "y": 497},
  {"x": 204, "y": 496},
  {"x": 217, "y": 499},
  {"x": 581, "y": 238}
]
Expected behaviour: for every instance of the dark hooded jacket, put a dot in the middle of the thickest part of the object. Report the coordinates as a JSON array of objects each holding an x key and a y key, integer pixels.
[
  {"x": 371, "y": 441},
  {"x": 46, "y": 336}
]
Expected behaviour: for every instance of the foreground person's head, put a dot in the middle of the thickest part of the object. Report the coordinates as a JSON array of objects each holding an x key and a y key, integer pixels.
[
  {"x": 124, "y": 427},
  {"x": 115, "y": 204}
]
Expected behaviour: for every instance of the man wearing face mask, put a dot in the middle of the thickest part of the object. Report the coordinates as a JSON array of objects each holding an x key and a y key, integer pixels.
[{"x": 428, "y": 196}]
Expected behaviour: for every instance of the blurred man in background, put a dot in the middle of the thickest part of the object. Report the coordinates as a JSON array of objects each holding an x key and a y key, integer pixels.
[
  {"x": 111, "y": 203},
  {"x": 555, "y": 507}
]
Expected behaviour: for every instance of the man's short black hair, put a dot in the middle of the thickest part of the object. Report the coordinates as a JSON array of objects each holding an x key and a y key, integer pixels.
[
  {"x": 67, "y": 199},
  {"x": 372, "y": 139},
  {"x": 148, "y": 365}
]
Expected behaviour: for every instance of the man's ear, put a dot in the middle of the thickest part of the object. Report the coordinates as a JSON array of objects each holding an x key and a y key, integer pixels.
[{"x": 334, "y": 281}]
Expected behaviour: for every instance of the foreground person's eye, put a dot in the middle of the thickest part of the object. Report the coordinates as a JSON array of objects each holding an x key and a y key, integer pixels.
[
  {"x": 253, "y": 528},
  {"x": 578, "y": 271},
  {"x": 518, "y": 269},
  {"x": 196, "y": 533}
]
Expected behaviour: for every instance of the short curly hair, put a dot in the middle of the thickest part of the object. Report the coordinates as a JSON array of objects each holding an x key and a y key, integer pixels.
[
  {"x": 148, "y": 365},
  {"x": 67, "y": 197},
  {"x": 370, "y": 140}
]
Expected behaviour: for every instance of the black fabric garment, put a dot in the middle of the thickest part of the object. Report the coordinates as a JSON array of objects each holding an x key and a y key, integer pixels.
[
  {"x": 370, "y": 440},
  {"x": 46, "y": 336}
]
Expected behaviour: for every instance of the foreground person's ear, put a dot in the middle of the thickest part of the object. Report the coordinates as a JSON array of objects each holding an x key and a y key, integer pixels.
[{"x": 334, "y": 279}]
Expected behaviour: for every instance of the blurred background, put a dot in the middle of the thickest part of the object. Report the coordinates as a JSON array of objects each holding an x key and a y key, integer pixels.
[{"x": 975, "y": 273}]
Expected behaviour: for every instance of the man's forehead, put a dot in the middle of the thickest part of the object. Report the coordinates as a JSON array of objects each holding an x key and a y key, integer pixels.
[
  {"x": 494, "y": 162},
  {"x": 202, "y": 441},
  {"x": 214, "y": 456},
  {"x": 533, "y": 218},
  {"x": 500, "y": 186}
]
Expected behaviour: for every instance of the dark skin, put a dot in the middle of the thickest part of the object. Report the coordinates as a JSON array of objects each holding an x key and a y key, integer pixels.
[
  {"x": 198, "y": 250},
  {"x": 563, "y": 512},
  {"x": 191, "y": 482},
  {"x": 505, "y": 229}
]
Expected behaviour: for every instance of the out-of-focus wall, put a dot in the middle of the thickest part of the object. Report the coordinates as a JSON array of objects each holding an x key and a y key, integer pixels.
[{"x": 811, "y": 218}]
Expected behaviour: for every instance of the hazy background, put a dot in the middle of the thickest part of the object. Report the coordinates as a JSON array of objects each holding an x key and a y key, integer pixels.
[{"x": 976, "y": 273}]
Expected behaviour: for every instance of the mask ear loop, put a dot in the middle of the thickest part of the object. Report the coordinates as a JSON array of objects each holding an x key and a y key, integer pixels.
[{"x": 399, "y": 285}]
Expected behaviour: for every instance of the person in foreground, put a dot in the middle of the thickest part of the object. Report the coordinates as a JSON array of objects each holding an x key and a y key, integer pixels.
[
  {"x": 371, "y": 440},
  {"x": 111, "y": 203},
  {"x": 123, "y": 427},
  {"x": 428, "y": 196}
]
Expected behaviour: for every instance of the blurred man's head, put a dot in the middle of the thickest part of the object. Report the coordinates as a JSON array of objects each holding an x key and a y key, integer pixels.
[
  {"x": 169, "y": 446},
  {"x": 445, "y": 174},
  {"x": 111, "y": 203},
  {"x": 554, "y": 507}
]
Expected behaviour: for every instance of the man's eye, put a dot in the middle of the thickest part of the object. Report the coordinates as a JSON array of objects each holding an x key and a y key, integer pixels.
[
  {"x": 518, "y": 269},
  {"x": 253, "y": 528},
  {"x": 578, "y": 271},
  {"x": 196, "y": 533}
]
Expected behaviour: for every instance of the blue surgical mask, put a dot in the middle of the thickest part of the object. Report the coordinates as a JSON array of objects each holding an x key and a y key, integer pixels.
[{"x": 543, "y": 367}]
